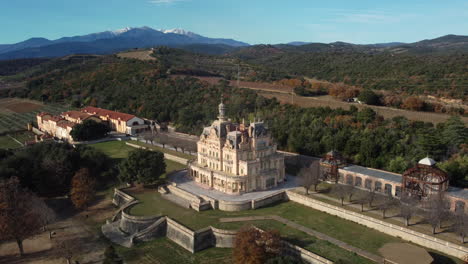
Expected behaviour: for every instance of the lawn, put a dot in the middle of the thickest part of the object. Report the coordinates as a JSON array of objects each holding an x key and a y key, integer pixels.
[
  {"x": 354, "y": 234},
  {"x": 164, "y": 251},
  {"x": 114, "y": 149},
  {"x": 320, "y": 247},
  {"x": 164, "y": 150}
]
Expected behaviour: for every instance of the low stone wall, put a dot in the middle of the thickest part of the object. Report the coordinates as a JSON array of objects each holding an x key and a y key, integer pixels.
[
  {"x": 224, "y": 238},
  {"x": 267, "y": 200},
  {"x": 131, "y": 224},
  {"x": 121, "y": 198},
  {"x": 204, "y": 238},
  {"x": 181, "y": 235},
  {"x": 298, "y": 252},
  {"x": 234, "y": 206},
  {"x": 381, "y": 226}
]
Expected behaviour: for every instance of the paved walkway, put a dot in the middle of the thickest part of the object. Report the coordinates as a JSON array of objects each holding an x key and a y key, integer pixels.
[
  {"x": 308, "y": 231},
  {"x": 191, "y": 186}
]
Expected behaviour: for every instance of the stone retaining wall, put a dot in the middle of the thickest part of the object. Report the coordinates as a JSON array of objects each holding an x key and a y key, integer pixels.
[
  {"x": 157, "y": 229},
  {"x": 133, "y": 224},
  {"x": 224, "y": 238},
  {"x": 234, "y": 206},
  {"x": 181, "y": 235},
  {"x": 267, "y": 200},
  {"x": 306, "y": 255},
  {"x": 382, "y": 226},
  {"x": 121, "y": 198}
]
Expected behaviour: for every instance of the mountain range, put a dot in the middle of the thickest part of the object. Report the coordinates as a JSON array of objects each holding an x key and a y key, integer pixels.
[{"x": 108, "y": 42}]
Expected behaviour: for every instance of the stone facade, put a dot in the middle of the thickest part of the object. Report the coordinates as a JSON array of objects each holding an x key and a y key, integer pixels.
[{"x": 237, "y": 158}]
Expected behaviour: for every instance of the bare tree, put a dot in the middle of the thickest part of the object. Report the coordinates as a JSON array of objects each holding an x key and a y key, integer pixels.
[
  {"x": 388, "y": 202},
  {"x": 407, "y": 207},
  {"x": 162, "y": 139},
  {"x": 68, "y": 248},
  {"x": 370, "y": 197},
  {"x": 437, "y": 212},
  {"x": 460, "y": 225},
  {"x": 19, "y": 219},
  {"x": 48, "y": 215},
  {"x": 341, "y": 191},
  {"x": 308, "y": 177},
  {"x": 148, "y": 136}
]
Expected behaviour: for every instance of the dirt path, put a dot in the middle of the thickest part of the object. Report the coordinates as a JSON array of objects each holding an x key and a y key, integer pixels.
[{"x": 73, "y": 228}]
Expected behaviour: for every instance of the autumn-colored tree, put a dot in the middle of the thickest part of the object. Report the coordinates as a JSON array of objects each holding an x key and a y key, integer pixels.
[
  {"x": 82, "y": 191},
  {"x": 254, "y": 246},
  {"x": 413, "y": 103},
  {"x": 19, "y": 218}
]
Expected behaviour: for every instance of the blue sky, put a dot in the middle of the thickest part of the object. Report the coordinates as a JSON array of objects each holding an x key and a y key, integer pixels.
[{"x": 252, "y": 21}]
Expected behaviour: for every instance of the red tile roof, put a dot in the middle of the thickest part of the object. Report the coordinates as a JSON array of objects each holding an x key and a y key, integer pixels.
[
  {"x": 41, "y": 114},
  {"x": 77, "y": 115},
  {"x": 66, "y": 124},
  {"x": 105, "y": 112}
]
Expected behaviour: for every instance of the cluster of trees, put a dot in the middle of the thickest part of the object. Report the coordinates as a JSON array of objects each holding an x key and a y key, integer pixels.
[
  {"x": 144, "y": 89},
  {"x": 89, "y": 130},
  {"x": 51, "y": 166},
  {"x": 143, "y": 166},
  {"x": 22, "y": 213},
  {"x": 435, "y": 210}
]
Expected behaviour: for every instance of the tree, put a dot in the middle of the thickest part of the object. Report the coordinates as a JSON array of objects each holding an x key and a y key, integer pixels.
[
  {"x": 254, "y": 246},
  {"x": 366, "y": 115},
  {"x": 19, "y": 218},
  {"x": 47, "y": 215},
  {"x": 310, "y": 176},
  {"x": 148, "y": 136},
  {"x": 369, "y": 97},
  {"x": 341, "y": 191},
  {"x": 162, "y": 139},
  {"x": 111, "y": 257},
  {"x": 407, "y": 207},
  {"x": 387, "y": 203},
  {"x": 143, "y": 166},
  {"x": 370, "y": 197},
  {"x": 460, "y": 225},
  {"x": 437, "y": 211},
  {"x": 413, "y": 103},
  {"x": 89, "y": 130},
  {"x": 68, "y": 248},
  {"x": 82, "y": 191}
]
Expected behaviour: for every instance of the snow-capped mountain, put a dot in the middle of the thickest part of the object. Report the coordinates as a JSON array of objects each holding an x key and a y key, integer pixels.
[{"x": 108, "y": 42}]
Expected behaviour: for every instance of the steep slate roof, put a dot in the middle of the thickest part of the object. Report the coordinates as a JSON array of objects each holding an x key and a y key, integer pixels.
[
  {"x": 388, "y": 176},
  {"x": 105, "y": 112},
  {"x": 458, "y": 192}
]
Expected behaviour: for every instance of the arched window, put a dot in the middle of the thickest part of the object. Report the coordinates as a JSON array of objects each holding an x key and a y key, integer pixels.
[
  {"x": 378, "y": 186},
  {"x": 358, "y": 182},
  {"x": 368, "y": 184},
  {"x": 398, "y": 191},
  {"x": 349, "y": 179},
  {"x": 135, "y": 123},
  {"x": 388, "y": 188},
  {"x": 459, "y": 206}
]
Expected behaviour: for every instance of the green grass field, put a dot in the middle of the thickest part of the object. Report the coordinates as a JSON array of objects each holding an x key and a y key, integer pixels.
[
  {"x": 8, "y": 143},
  {"x": 164, "y": 251}
]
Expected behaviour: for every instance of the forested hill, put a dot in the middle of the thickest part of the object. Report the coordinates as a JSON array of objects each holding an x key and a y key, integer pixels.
[
  {"x": 146, "y": 89},
  {"x": 435, "y": 74}
]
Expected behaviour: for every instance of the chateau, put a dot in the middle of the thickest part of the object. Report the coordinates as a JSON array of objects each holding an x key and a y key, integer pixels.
[{"x": 237, "y": 158}]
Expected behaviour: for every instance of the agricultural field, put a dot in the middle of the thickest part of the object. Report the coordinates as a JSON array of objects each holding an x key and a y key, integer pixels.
[
  {"x": 16, "y": 113},
  {"x": 137, "y": 54}
]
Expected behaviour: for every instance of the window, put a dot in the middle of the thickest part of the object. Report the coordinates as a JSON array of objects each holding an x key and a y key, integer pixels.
[
  {"x": 398, "y": 191},
  {"x": 459, "y": 206},
  {"x": 349, "y": 179},
  {"x": 270, "y": 182},
  {"x": 358, "y": 182},
  {"x": 368, "y": 184},
  {"x": 378, "y": 186},
  {"x": 388, "y": 188}
]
